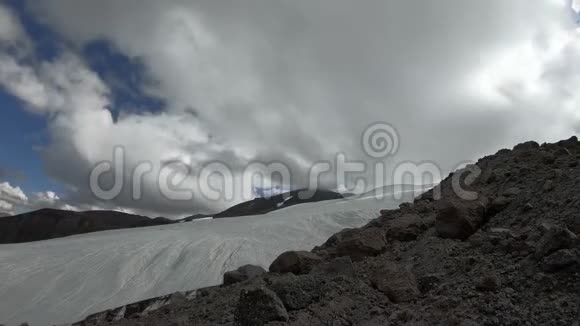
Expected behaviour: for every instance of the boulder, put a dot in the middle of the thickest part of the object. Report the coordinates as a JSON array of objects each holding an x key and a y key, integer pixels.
[
  {"x": 568, "y": 143},
  {"x": 243, "y": 273},
  {"x": 498, "y": 204},
  {"x": 296, "y": 292},
  {"x": 548, "y": 186},
  {"x": 361, "y": 243},
  {"x": 397, "y": 283},
  {"x": 561, "y": 259},
  {"x": 405, "y": 228},
  {"x": 459, "y": 219},
  {"x": 527, "y": 146},
  {"x": 511, "y": 192},
  {"x": 297, "y": 262},
  {"x": 258, "y": 307},
  {"x": 489, "y": 282},
  {"x": 554, "y": 239}
]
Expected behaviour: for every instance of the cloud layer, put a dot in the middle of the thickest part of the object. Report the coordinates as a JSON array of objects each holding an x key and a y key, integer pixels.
[{"x": 298, "y": 82}]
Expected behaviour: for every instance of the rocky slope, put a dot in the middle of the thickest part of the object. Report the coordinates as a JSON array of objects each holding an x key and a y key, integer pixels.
[{"x": 504, "y": 251}]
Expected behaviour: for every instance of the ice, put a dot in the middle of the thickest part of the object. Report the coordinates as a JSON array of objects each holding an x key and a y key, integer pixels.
[{"x": 64, "y": 280}]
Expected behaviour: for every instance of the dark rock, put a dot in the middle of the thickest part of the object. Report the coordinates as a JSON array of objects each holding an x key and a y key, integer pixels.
[
  {"x": 489, "y": 282},
  {"x": 560, "y": 259},
  {"x": 573, "y": 223},
  {"x": 336, "y": 266},
  {"x": 498, "y": 204},
  {"x": 562, "y": 151},
  {"x": 243, "y": 273},
  {"x": 358, "y": 244},
  {"x": 296, "y": 292},
  {"x": 527, "y": 146},
  {"x": 397, "y": 283},
  {"x": 135, "y": 309},
  {"x": 527, "y": 207},
  {"x": 428, "y": 282},
  {"x": 405, "y": 228},
  {"x": 511, "y": 192},
  {"x": 554, "y": 239},
  {"x": 568, "y": 143},
  {"x": 548, "y": 186},
  {"x": 458, "y": 219},
  {"x": 548, "y": 158},
  {"x": 297, "y": 262},
  {"x": 258, "y": 307}
]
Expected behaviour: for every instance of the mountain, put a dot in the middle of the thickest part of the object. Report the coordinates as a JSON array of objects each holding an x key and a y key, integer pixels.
[
  {"x": 4, "y": 215},
  {"x": 260, "y": 206},
  {"x": 497, "y": 242},
  {"x": 64, "y": 280},
  {"x": 51, "y": 223},
  {"x": 47, "y": 224}
]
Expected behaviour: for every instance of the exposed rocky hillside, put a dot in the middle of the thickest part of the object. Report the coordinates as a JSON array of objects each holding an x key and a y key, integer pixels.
[
  {"x": 52, "y": 223},
  {"x": 509, "y": 255},
  {"x": 265, "y": 205}
]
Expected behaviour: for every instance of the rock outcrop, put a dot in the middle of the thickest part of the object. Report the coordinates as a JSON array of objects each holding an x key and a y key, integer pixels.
[{"x": 244, "y": 273}]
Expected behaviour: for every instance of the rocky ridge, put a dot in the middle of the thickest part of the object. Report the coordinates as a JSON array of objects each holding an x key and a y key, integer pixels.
[{"x": 503, "y": 251}]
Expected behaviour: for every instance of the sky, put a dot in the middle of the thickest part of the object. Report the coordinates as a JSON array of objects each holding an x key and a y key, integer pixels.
[{"x": 181, "y": 85}]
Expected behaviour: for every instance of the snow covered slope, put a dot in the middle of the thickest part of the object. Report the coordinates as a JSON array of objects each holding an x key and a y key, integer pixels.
[{"x": 64, "y": 280}]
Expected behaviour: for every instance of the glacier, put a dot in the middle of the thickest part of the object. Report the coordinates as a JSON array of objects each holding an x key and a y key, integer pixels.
[{"x": 63, "y": 280}]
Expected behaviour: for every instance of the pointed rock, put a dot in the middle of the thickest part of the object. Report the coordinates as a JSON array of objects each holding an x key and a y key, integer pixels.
[{"x": 258, "y": 307}]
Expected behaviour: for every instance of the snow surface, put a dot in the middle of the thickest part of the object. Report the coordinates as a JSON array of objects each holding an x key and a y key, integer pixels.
[{"x": 64, "y": 280}]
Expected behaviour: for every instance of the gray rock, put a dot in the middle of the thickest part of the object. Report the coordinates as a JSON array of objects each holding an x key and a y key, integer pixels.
[
  {"x": 562, "y": 151},
  {"x": 498, "y": 204},
  {"x": 489, "y": 282},
  {"x": 458, "y": 219},
  {"x": 296, "y": 292},
  {"x": 405, "y": 228},
  {"x": 397, "y": 283},
  {"x": 297, "y": 262},
  {"x": 548, "y": 186},
  {"x": 554, "y": 239},
  {"x": 258, "y": 307},
  {"x": 561, "y": 259},
  {"x": 242, "y": 274},
  {"x": 511, "y": 192},
  {"x": 527, "y": 146},
  {"x": 361, "y": 243}
]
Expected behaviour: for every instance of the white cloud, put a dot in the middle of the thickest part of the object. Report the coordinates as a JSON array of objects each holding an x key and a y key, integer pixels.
[
  {"x": 6, "y": 208},
  {"x": 10, "y": 193},
  {"x": 11, "y": 196},
  {"x": 299, "y": 81},
  {"x": 10, "y": 29}
]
